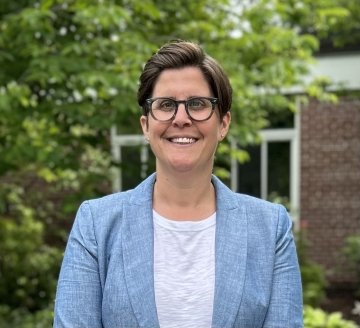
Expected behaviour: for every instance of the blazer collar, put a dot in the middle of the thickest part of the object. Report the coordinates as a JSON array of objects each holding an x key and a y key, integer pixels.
[{"x": 230, "y": 258}]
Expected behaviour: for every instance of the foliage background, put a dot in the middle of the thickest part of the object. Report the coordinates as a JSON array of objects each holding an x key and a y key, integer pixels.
[{"x": 69, "y": 71}]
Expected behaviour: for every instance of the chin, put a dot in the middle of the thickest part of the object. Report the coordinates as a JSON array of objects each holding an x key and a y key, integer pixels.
[
  {"x": 188, "y": 167},
  {"x": 182, "y": 168}
]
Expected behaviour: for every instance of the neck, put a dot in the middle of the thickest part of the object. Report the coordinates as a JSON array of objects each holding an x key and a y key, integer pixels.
[{"x": 184, "y": 197}]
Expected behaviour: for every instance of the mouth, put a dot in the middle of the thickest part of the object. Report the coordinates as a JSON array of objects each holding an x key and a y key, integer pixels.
[{"x": 182, "y": 140}]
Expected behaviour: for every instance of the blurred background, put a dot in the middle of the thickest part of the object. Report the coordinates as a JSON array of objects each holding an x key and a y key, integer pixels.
[{"x": 69, "y": 129}]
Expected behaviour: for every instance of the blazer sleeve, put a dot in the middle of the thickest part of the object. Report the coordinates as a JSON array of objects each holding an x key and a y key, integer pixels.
[
  {"x": 286, "y": 308},
  {"x": 79, "y": 293}
]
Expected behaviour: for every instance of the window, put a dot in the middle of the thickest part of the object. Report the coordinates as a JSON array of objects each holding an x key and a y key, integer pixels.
[
  {"x": 133, "y": 160},
  {"x": 273, "y": 170}
]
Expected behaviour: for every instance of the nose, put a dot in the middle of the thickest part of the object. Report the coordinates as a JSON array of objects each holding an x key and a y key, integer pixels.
[{"x": 181, "y": 118}]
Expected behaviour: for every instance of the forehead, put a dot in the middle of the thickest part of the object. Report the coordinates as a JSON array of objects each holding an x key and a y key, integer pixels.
[{"x": 177, "y": 82}]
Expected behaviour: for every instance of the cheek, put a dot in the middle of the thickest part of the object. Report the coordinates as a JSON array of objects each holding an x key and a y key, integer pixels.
[{"x": 154, "y": 130}]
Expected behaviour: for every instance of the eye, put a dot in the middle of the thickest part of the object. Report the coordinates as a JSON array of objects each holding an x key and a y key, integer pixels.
[
  {"x": 197, "y": 103},
  {"x": 166, "y": 105}
]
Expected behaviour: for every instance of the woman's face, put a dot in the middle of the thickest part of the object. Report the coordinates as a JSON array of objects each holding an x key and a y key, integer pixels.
[{"x": 183, "y": 145}]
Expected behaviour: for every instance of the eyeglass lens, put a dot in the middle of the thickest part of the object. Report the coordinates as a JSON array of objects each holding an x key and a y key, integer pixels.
[{"x": 199, "y": 109}]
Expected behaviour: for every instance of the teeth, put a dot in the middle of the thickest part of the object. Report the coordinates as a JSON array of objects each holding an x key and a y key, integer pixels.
[{"x": 183, "y": 140}]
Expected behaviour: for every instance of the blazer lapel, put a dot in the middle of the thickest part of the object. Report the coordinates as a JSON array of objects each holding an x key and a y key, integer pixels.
[
  {"x": 230, "y": 256},
  {"x": 138, "y": 254}
]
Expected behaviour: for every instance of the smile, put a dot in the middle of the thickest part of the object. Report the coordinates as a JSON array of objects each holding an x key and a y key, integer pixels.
[{"x": 183, "y": 140}]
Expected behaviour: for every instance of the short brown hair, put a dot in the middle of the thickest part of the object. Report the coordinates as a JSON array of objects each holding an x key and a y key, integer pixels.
[{"x": 179, "y": 54}]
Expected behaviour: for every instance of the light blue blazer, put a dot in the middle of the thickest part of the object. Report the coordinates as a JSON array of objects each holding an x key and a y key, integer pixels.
[{"x": 107, "y": 275}]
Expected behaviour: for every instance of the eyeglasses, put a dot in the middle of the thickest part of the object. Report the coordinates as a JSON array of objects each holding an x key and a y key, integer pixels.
[{"x": 198, "y": 108}]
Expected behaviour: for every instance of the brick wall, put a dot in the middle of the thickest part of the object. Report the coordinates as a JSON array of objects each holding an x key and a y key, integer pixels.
[{"x": 330, "y": 181}]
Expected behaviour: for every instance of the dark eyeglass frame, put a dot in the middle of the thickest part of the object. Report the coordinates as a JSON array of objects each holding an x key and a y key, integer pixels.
[{"x": 213, "y": 101}]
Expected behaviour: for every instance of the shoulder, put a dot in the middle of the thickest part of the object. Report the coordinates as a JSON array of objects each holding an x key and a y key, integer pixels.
[
  {"x": 260, "y": 214},
  {"x": 104, "y": 206},
  {"x": 256, "y": 206},
  {"x": 253, "y": 205},
  {"x": 98, "y": 219},
  {"x": 267, "y": 216},
  {"x": 105, "y": 214},
  {"x": 113, "y": 204}
]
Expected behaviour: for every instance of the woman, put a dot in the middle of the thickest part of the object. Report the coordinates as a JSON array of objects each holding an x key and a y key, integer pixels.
[{"x": 181, "y": 249}]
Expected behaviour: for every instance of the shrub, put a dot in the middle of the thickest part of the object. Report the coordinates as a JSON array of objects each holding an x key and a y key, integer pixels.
[
  {"x": 352, "y": 252},
  {"x": 22, "y": 318},
  {"x": 314, "y": 282},
  {"x": 317, "y": 318},
  {"x": 312, "y": 274},
  {"x": 28, "y": 267}
]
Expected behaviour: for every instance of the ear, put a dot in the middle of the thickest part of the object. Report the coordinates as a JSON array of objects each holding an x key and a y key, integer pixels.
[
  {"x": 144, "y": 122},
  {"x": 224, "y": 126}
]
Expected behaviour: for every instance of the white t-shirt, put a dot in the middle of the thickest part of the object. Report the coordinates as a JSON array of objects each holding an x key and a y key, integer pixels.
[{"x": 184, "y": 271}]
